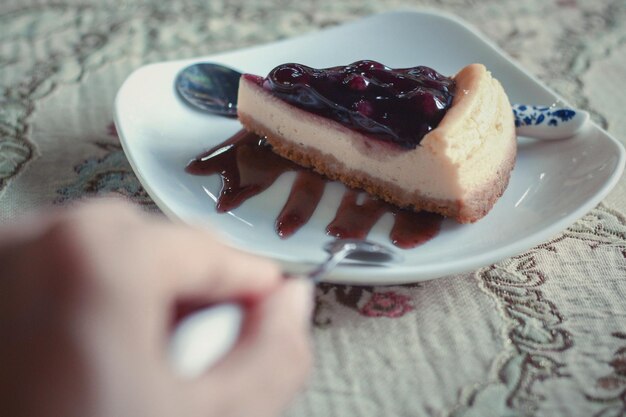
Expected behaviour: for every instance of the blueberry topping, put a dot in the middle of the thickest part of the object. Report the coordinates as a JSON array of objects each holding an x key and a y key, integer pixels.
[{"x": 395, "y": 105}]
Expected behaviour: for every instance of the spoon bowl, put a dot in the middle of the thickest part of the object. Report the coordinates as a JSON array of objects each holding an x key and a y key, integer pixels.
[
  {"x": 364, "y": 252},
  {"x": 209, "y": 87}
]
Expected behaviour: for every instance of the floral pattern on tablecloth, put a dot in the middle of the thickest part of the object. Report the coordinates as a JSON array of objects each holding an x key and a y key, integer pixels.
[
  {"x": 540, "y": 334},
  {"x": 106, "y": 175}
]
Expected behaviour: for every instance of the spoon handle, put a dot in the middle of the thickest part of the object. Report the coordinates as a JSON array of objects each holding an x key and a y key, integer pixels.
[
  {"x": 548, "y": 122},
  {"x": 204, "y": 337},
  {"x": 332, "y": 261}
]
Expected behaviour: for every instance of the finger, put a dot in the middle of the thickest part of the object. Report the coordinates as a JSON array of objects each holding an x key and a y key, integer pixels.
[
  {"x": 22, "y": 229},
  {"x": 270, "y": 361},
  {"x": 30, "y": 226},
  {"x": 178, "y": 259},
  {"x": 195, "y": 265},
  {"x": 27, "y": 227},
  {"x": 46, "y": 243}
]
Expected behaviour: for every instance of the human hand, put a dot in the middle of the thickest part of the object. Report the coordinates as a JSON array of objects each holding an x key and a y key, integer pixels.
[{"x": 87, "y": 302}]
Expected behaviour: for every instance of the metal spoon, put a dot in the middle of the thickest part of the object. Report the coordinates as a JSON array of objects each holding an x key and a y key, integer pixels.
[
  {"x": 363, "y": 252},
  {"x": 209, "y": 87},
  {"x": 207, "y": 335},
  {"x": 212, "y": 88}
]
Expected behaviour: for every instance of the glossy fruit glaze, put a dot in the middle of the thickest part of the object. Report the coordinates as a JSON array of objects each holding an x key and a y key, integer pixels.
[
  {"x": 248, "y": 166},
  {"x": 397, "y": 105}
]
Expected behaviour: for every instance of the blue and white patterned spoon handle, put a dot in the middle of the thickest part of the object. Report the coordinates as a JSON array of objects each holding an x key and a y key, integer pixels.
[{"x": 548, "y": 122}]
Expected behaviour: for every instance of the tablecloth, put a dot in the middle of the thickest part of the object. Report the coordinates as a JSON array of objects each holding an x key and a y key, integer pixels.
[{"x": 540, "y": 334}]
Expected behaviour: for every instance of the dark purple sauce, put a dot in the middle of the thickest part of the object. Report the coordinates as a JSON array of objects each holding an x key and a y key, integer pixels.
[
  {"x": 396, "y": 105},
  {"x": 304, "y": 196},
  {"x": 248, "y": 166}
]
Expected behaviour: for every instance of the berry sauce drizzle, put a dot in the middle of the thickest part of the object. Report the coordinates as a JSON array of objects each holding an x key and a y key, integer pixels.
[
  {"x": 248, "y": 166},
  {"x": 396, "y": 105}
]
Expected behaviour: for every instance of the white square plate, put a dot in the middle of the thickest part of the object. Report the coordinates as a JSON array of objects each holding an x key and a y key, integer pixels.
[{"x": 553, "y": 184}]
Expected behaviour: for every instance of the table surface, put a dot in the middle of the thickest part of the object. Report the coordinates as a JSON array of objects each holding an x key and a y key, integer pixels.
[{"x": 542, "y": 333}]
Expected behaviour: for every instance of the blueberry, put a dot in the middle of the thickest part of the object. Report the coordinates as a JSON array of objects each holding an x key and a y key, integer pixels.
[
  {"x": 364, "y": 107},
  {"x": 356, "y": 82},
  {"x": 290, "y": 74},
  {"x": 367, "y": 65},
  {"x": 400, "y": 106}
]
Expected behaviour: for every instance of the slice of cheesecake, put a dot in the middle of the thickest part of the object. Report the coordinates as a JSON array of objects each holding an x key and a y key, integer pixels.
[{"x": 410, "y": 136}]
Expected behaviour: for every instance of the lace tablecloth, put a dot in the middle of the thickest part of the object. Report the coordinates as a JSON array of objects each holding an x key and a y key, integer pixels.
[{"x": 542, "y": 333}]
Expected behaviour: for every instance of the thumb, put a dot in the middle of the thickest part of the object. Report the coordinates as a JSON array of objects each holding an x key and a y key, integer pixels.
[{"x": 272, "y": 358}]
